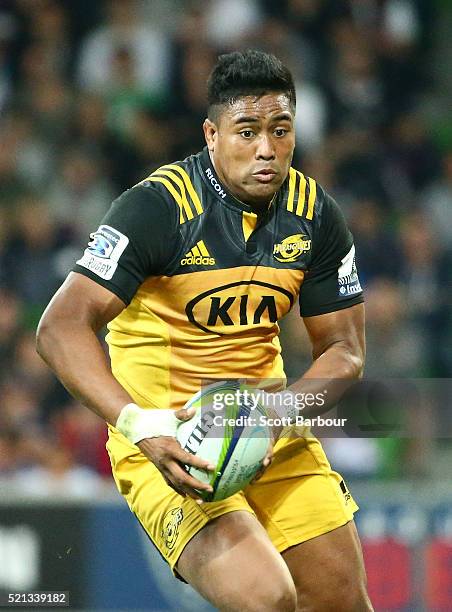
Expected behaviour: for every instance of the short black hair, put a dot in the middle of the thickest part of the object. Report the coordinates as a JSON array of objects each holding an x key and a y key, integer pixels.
[{"x": 247, "y": 73}]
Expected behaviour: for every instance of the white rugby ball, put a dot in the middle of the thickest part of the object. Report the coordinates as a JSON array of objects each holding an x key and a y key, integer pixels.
[{"x": 228, "y": 429}]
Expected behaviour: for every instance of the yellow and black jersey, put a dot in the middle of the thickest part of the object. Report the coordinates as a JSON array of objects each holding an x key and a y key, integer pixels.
[{"x": 205, "y": 280}]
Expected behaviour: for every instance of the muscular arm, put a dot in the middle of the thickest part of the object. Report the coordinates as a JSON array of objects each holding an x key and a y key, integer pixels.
[
  {"x": 332, "y": 310},
  {"x": 338, "y": 349},
  {"x": 338, "y": 343},
  {"x": 91, "y": 297},
  {"x": 67, "y": 341}
]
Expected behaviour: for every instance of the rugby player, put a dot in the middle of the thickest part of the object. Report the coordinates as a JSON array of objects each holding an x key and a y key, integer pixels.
[{"x": 192, "y": 269}]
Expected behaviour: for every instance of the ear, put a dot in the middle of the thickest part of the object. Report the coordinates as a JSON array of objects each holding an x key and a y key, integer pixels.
[{"x": 210, "y": 134}]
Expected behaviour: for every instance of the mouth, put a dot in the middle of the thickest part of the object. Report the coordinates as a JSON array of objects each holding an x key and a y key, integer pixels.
[{"x": 266, "y": 175}]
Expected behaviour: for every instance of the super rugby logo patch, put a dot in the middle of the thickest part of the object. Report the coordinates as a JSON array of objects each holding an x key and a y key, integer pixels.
[
  {"x": 100, "y": 246},
  {"x": 103, "y": 251}
]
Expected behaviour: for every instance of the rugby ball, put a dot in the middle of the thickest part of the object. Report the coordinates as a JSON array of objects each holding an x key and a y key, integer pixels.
[{"x": 228, "y": 429}]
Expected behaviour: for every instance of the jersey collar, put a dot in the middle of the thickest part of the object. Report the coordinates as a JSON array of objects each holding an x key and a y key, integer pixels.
[{"x": 210, "y": 177}]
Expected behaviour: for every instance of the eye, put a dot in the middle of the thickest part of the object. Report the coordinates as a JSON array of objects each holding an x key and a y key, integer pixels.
[
  {"x": 279, "y": 132},
  {"x": 247, "y": 133}
]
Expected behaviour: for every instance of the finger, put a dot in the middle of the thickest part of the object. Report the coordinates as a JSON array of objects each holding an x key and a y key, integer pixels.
[
  {"x": 266, "y": 462},
  {"x": 173, "y": 450},
  {"x": 186, "y": 482},
  {"x": 189, "y": 492},
  {"x": 197, "y": 462},
  {"x": 258, "y": 475},
  {"x": 179, "y": 491},
  {"x": 185, "y": 414},
  {"x": 177, "y": 486}
]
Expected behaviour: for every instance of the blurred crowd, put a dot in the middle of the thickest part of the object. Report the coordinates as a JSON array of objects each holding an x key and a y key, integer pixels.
[{"x": 95, "y": 95}]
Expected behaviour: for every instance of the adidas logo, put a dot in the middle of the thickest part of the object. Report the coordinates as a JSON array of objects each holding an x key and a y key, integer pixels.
[{"x": 198, "y": 256}]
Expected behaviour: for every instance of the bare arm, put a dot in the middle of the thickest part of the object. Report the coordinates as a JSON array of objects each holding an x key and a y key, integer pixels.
[
  {"x": 67, "y": 341},
  {"x": 338, "y": 349},
  {"x": 338, "y": 343}
]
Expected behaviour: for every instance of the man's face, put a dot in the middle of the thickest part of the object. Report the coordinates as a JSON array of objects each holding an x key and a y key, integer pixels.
[{"x": 251, "y": 145}]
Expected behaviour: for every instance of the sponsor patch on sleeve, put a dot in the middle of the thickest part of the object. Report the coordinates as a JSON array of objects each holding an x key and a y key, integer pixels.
[
  {"x": 103, "y": 251},
  {"x": 347, "y": 275}
]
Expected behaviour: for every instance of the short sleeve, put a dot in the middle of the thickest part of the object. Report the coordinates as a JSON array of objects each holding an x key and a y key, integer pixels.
[
  {"x": 332, "y": 282},
  {"x": 131, "y": 242}
]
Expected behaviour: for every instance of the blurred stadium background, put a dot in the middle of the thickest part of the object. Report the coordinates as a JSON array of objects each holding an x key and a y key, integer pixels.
[{"x": 94, "y": 96}]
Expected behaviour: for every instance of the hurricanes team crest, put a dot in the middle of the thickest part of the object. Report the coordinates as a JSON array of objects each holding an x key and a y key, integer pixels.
[
  {"x": 170, "y": 528},
  {"x": 291, "y": 248}
]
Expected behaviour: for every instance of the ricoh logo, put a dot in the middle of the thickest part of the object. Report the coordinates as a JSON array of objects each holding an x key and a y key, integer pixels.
[{"x": 215, "y": 184}]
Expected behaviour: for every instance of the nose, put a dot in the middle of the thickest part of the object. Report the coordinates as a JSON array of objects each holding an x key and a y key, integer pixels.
[{"x": 265, "y": 149}]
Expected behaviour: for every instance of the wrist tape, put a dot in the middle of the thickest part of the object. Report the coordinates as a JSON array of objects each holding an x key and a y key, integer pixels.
[{"x": 136, "y": 423}]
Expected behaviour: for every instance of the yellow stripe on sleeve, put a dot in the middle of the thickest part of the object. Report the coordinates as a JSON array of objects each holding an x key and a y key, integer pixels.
[
  {"x": 301, "y": 194},
  {"x": 173, "y": 192},
  {"x": 189, "y": 185},
  {"x": 311, "y": 200},
  {"x": 180, "y": 184}
]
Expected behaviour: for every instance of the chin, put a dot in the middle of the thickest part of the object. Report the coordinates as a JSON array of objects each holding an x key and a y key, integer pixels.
[{"x": 262, "y": 193}]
